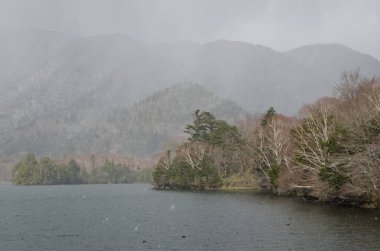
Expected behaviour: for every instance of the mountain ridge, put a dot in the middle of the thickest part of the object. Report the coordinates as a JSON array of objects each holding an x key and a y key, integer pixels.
[
  {"x": 330, "y": 59},
  {"x": 78, "y": 82},
  {"x": 140, "y": 130}
]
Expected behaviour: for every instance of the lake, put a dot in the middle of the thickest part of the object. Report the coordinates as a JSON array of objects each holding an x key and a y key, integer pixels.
[{"x": 133, "y": 216}]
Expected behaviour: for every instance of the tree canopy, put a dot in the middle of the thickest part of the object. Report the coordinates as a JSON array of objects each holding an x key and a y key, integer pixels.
[
  {"x": 195, "y": 164},
  {"x": 206, "y": 128},
  {"x": 30, "y": 171}
]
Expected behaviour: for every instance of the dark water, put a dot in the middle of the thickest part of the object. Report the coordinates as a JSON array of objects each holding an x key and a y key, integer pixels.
[{"x": 120, "y": 217}]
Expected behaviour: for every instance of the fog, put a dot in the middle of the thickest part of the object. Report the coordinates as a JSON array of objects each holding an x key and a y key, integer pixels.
[
  {"x": 238, "y": 97},
  {"x": 282, "y": 25},
  {"x": 82, "y": 76}
]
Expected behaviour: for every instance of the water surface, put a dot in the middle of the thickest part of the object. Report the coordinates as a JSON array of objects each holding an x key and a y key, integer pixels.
[{"x": 123, "y": 217}]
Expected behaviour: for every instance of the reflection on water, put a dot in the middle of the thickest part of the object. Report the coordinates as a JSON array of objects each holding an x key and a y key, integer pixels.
[{"x": 119, "y": 217}]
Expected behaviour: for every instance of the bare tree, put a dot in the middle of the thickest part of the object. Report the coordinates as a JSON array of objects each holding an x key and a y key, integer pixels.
[
  {"x": 268, "y": 147},
  {"x": 194, "y": 153},
  {"x": 310, "y": 136},
  {"x": 348, "y": 88}
]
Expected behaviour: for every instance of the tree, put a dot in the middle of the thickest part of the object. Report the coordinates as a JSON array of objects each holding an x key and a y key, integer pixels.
[
  {"x": 204, "y": 124},
  {"x": 271, "y": 112},
  {"x": 191, "y": 168},
  {"x": 198, "y": 164},
  {"x": 160, "y": 173},
  {"x": 25, "y": 172},
  {"x": 206, "y": 128},
  {"x": 48, "y": 170},
  {"x": 319, "y": 151},
  {"x": 72, "y": 175},
  {"x": 269, "y": 148},
  {"x": 112, "y": 173},
  {"x": 225, "y": 136}
]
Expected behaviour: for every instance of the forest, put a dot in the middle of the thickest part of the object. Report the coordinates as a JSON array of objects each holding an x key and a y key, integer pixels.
[
  {"x": 329, "y": 152},
  {"x": 30, "y": 171}
]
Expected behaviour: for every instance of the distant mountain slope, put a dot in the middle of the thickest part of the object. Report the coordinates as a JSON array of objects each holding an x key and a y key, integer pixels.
[
  {"x": 148, "y": 124},
  {"x": 329, "y": 60},
  {"x": 139, "y": 130},
  {"x": 257, "y": 77},
  {"x": 65, "y": 94},
  {"x": 40, "y": 69},
  {"x": 117, "y": 70}
]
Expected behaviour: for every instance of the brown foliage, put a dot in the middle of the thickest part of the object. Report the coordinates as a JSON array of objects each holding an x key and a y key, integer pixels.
[{"x": 331, "y": 151}]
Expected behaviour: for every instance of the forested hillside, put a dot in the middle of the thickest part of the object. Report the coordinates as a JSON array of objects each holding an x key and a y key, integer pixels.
[
  {"x": 65, "y": 94},
  {"x": 330, "y": 152},
  {"x": 139, "y": 130}
]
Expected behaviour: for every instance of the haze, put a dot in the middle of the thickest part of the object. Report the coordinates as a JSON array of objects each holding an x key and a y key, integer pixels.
[
  {"x": 282, "y": 25},
  {"x": 238, "y": 97},
  {"x": 81, "y": 77}
]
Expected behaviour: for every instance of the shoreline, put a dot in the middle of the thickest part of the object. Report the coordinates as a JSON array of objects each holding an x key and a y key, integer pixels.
[
  {"x": 336, "y": 203},
  {"x": 234, "y": 189}
]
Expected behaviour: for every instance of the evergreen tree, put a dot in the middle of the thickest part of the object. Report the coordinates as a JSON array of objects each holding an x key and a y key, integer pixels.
[
  {"x": 206, "y": 128},
  {"x": 72, "y": 173},
  {"x": 204, "y": 124},
  {"x": 25, "y": 172},
  {"x": 271, "y": 112}
]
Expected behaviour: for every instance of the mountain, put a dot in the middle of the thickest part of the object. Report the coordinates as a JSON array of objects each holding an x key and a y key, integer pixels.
[
  {"x": 329, "y": 60},
  {"x": 256, "y": 77},
  {"x": 140, "y": 130},
  {"x": 51, "y": 68},
  {"x": 69, "y": 94}
]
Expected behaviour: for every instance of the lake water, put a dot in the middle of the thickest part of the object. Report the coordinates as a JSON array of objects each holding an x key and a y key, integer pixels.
[{"x": 123, "y": 217}]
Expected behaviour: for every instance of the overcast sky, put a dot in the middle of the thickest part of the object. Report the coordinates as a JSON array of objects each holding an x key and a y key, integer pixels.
[{"x": 281, "y": 25}]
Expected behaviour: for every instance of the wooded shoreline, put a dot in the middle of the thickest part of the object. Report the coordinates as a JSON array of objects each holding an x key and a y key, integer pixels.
[{"x": 329, "y": 153}]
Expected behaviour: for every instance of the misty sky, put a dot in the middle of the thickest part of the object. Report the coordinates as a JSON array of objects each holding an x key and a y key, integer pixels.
[{"x": 281, "y": 25}]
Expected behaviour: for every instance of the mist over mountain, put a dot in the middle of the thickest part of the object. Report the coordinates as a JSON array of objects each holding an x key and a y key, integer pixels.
[
  {"x": 140, "y": 130},
  {"x": 329, "y": 60},
  {"x": 62, "y": 94}
]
